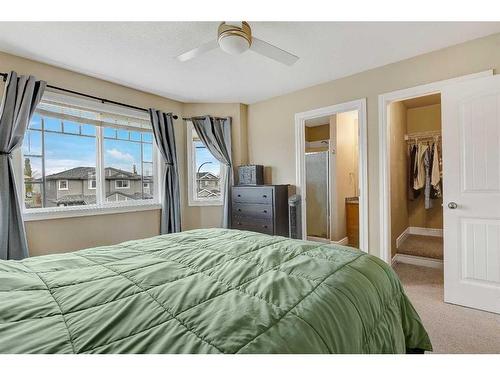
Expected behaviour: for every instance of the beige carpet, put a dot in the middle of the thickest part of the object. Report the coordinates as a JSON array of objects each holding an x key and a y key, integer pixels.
[
  {"x": 422, "y": 246},
  {"x": 452, "y": 328}
]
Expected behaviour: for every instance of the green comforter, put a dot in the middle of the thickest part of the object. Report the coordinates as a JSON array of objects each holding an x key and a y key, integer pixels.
[{"x": 206, "y": 291}]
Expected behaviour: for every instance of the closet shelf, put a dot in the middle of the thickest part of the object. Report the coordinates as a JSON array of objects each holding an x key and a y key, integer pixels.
[{"x": 423, "y": 135}]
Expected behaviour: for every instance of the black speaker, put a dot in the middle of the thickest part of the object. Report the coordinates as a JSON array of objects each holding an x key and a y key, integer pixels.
[{"x": 251, "y": 175}]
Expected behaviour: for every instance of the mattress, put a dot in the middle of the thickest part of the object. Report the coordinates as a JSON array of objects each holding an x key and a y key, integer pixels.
[{"x": 207, "y": 291}]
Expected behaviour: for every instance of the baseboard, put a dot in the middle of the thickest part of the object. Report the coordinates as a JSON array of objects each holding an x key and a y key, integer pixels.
[
  {"x": 417, "y": 261},
  {"x": 393, "y": 260},
  {"x": 344, "y": 241},
  {"x": 318, "y": 239},
  {"x": 426, "y": 231},
  {"x": 402, "y": 237}
]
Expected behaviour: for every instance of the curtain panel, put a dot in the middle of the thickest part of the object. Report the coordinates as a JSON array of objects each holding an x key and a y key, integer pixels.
[
  {"x": 20, "y": 98},
  {"x": 163, "y": 130},
  {"x": 215, "y": 134}
]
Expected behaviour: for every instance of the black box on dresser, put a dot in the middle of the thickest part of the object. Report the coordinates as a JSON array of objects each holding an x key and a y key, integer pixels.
[{"x": 251, "y": 175}]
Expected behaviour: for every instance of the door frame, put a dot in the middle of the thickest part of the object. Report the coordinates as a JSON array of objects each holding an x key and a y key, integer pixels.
[
  {"x": 300, "y": 119},
  {"x": 384, "y": 100}
]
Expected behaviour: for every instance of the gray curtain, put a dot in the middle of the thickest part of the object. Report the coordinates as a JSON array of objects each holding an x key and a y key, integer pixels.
[
  {"x": 215, "y": 133},
  {"x": 20, "y": 98},
  {"x": 163, "y": 129}
]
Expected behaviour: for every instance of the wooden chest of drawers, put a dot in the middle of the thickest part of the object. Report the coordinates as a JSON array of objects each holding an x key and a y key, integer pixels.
[{"x": 262, "y": 208}]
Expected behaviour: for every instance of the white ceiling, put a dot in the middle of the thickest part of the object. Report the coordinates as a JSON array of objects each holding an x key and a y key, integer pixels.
[{"x": 141, "y": 54}]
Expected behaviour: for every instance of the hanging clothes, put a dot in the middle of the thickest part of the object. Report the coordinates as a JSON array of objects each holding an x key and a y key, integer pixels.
[
  {"x": 435, "y": 173},
  {"x": 419, "y": 182},
  {"x": 412, "y": 155},
  {"x": 427, "y": 184}
]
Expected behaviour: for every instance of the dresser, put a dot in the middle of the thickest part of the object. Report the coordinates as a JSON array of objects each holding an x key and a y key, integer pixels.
[{"x": 261, "y": 208}]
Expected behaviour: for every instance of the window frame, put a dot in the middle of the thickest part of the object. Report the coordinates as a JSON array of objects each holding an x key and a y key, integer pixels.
[
  {"x": 59, "y": 184},
  {"x": 101, "y": 206},
  {"x": 191, "y": 168},
  {"x": 90, "y": 183},
  {"x": 122, "y": 187}
]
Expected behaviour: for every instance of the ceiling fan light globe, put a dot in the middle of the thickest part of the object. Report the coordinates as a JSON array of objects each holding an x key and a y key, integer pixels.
[{"x": 233, "y": 44}]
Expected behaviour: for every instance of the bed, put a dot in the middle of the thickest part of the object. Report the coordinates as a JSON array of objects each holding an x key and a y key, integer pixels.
[{"x": 207, "y": 291}]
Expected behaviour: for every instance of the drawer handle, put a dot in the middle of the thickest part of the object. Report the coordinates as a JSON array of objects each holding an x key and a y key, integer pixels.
[
  {"x": 239, "y": 223},
  {"x": 239, "y": 195},
  {"x": 264, "y": 196},
  {"x": 265, "y": 211},
  {"x": 239, "y": 209},
  {"x": 265, "y": 226}
]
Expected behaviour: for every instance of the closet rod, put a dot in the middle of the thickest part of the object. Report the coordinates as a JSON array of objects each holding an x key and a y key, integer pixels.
[{"x": 102, "y": 100}]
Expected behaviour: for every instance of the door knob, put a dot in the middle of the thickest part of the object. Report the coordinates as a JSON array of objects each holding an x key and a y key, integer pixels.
[{"x": 452, "y": 205}]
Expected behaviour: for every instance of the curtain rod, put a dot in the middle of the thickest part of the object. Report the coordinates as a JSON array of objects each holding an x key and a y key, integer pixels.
[
  {"x": 102, "y": 100},
  {"x": 215, "y": 117}
]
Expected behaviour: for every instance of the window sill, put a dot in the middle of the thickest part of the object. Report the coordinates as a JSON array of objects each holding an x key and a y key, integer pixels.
[
  {"x": 195, "y": 203},
  {"x": 67, "y": 212}
]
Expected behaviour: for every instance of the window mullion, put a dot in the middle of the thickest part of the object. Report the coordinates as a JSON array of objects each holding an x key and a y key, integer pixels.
[{"x": 100, "y": 171}]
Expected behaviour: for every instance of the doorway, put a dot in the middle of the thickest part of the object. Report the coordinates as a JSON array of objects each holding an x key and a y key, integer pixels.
[
  {"x": 416, "y": 181},
  {"x": 470, "y": 215},
  {"x": 331, "y": 174}
]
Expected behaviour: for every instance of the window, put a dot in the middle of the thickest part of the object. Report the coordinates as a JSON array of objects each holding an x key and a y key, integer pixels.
[
  {"x": 56, "y": 152},
  {"x": 128, "y": 159},
  {"x": 122, "y": 184},
  {"x": 63, "y": 184},
  {"x": 77, "y": 152},
  {"x": 204, "y": 171}
]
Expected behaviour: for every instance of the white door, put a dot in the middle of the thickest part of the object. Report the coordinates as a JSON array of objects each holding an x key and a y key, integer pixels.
[{"x": 471, "y": 187}]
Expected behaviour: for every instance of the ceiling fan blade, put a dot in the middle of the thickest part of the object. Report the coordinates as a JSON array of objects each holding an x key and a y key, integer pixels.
[
  {"x": 198, "y": 51},
  {"x": 273, "y": 52}
]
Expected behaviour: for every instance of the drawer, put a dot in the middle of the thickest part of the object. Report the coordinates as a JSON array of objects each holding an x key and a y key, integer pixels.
[
  {"x": 262, "y": 195},
  {"x": 261, "y": 226},
  {"x": 256, "y": 211}
]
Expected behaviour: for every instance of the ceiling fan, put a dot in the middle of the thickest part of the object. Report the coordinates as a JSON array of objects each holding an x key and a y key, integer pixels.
[{"x": 235, "y": 38}]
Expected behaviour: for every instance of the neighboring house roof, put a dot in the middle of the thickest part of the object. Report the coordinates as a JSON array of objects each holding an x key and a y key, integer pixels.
[
  {"x": 205, "y": 193},
  {"x": 131, "y": 196},
  {"x": 76, "y": 199},
  {"x": 91, "y": 199},
  {"x": 86, "y": 173},
  {"x": 119, "y": 174},
  {"x": 206, "y": 176}
]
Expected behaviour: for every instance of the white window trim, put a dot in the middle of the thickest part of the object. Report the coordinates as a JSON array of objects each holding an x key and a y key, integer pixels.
[
  {"x": 102, "y": 207},
  {"x": 122, "y": 187},
  {"x": 35, "y": 214},
  {"x": 90, "y": 184},
  {"x": 59, "y": 185},
  {"x": 192, "y": 201}
]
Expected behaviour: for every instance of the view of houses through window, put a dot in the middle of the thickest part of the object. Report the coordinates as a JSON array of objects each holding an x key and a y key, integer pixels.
[
  {"x": 205, "y": 172},
  {"x": 60, "y": 161}
]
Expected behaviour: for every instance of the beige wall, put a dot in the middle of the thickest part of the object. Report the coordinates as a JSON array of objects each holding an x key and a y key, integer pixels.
[
  {"x": 62, "y": 235},
  {"x": 58, "y": 235},
  {"x": 421, "y": 119},
  {"x": 398, "y": 171},
  {"x": 346, "y": 169},
  {"x": 274, "y": 145}
]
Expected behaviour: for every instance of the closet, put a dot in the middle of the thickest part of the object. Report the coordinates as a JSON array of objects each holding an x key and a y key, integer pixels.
[{"x": 416, "y": 179}]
